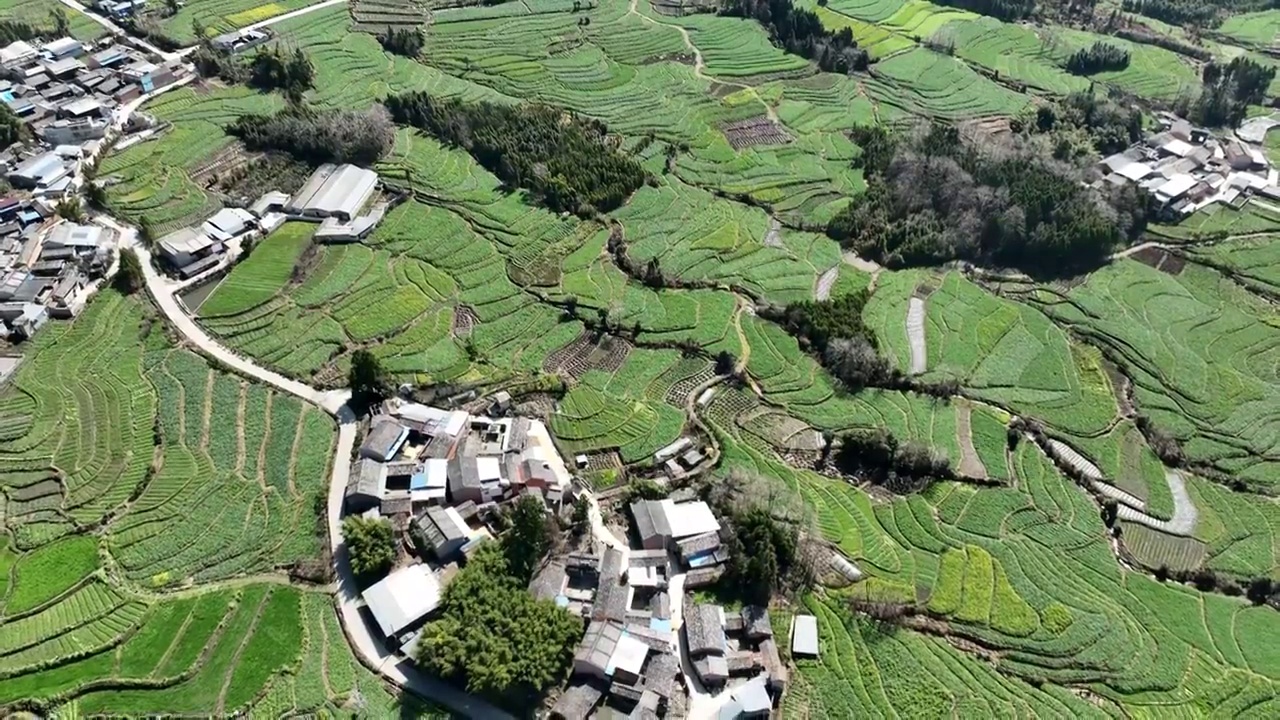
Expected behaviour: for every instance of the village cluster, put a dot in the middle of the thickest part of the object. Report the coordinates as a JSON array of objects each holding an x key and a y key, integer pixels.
[
  {"x": 66, "y": 93},
  {"x": 440, "y": 475},
  {"x": 1185, "y": 168}
]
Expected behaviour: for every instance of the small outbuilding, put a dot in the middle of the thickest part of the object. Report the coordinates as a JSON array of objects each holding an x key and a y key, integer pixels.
[
  {"x": 804, "y": 636},
  {"x": 366, "y": 485},
  {"x": 403, "y": 600}
]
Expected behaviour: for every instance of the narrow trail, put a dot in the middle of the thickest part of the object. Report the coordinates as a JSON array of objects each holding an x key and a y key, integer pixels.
[
  {"x": 915, "y": 335},
  {"x": 699, "y": 66}
]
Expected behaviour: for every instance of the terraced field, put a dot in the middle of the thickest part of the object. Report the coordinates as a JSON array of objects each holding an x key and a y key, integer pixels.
[
  {"x": 221, "y": 16},
  {"x": 142, "y": 470},
  {"x": 154, "y": 178}
]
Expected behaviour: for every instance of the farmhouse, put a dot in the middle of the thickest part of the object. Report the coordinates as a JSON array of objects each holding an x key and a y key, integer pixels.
[
  {"x": 334, "y": 191},
  {"x": 228, "y": 224},
  {"x": 184, "y": 247},
  {"x": 384, "y": 440},
  {"x": 365, "y": 485},
  {"x": 443, "y": 531},
  {"x": 659, "y": 522},
  {"x": 402, "y": 601}
]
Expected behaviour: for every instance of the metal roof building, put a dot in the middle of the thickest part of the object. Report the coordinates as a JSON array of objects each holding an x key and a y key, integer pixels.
[
  {"x": 444, "y": 530},
  {"x": 71, "y": 235},
  {"x": 335, "y": 192},
  {"x": 403, "y": 599},
  {"x": 804, "y": 636}
]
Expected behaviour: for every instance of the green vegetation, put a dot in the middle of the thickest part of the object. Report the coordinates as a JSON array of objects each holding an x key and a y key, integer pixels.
[
  {"x": 263, "y": 274},
  {"x": 494, "y": 638},
  {"x": 613, "y": 203},
  {"x": 371, "y": 544}
]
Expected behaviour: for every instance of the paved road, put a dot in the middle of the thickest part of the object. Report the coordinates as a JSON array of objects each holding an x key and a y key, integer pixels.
[
  {"x": 294, "y": 14},
  {"x": 117, "y": 30}
]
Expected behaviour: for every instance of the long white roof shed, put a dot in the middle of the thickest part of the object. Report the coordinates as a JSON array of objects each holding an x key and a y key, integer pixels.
[
  {"x": 403, "y": 598},
  {"x": 336, "y": 191}
]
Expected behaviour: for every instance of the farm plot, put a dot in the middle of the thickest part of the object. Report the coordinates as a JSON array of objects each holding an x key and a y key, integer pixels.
[
  {"x": 222, "y": 16},
  {"x": 924, "y": 82},
  {"x": 100, "y": 398},
  {"x": 1007, "y": 352},
  {"x": 590, "y": 420},
  {"x": 37, "y": 13},
  {"x": 1259, "y": 29},
  {"x": 1017, "y": 52},
  {"x": 152, "y": 179},
  {"x": 1254, "y": 261},
  {"x": 1198, "y": 350},
  {"x": 263, "y": 274}
]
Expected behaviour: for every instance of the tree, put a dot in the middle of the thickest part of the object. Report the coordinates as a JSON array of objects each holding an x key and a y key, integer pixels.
[
  {"x": 61, "y": 26},
  {"x": 12, "y": 129},
  {"x": 1110, "y": 511},
  {"x": 494, "y": 638},
  {"x": 70, "y": 209},
  {"x": 1260, "y": 589},
  {"x": 371, "y": 546},
  {"x": 173, "y": 6},
  {"x": 581, "y": 516},
  {"x": 129, "y": 278},
  {"x": 96, "y": 195},
  {"x": 725, "y": 362},
  {"x": 146, "y": 233},
  {"x": 366, "y": 377},
  {"x": 528, "y": 539}
]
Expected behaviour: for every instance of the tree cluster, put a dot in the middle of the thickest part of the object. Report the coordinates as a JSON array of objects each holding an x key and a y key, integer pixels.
[
  {"x": 366, "y": 378},
  {"x": 494, "y": 638},
  {"x": 1098, "y": 57},
  {"x": 568, "y": 162},
  {"x": 12, "y": 31},
  {"x": 1003, "y": 9},
  {"x": 319, "y": 136},
  {"x": 1082, "y": 124},
  {"x": 273, "y": 68},
  {"x": 761, "y": 528},
  {"x": 834, "y": 331},
  {"x": 1194, "y": 13},
  {"x": 371, "y": 546},
  {"x": 878, "y": 456},
  {"x": 1228, "y": 91},
  {"x": 12, "y": 129},
  {"x": 1002, "y": 200},
  {"x": 800, "y": 32},
  {"x": 406, "y": 41}
]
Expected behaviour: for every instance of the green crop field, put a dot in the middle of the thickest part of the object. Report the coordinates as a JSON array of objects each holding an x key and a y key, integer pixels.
[
  {"x": 38, "y": 14},
  {"x": 152, "y": 503}
]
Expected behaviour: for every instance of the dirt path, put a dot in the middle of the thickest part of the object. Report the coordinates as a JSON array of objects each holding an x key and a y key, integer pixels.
[
  {"x": 293, "y": 450},
  {"x": 970, "y": 464},
  {"x": 262, "y": 446},
  {"x": 208, "y": 413},
  {"x": 244, "y": 389},
  {"x": 827, "y": 280},
  {"x": 745, "y": 355},
  {"x": 915, "y": 335},
  {"x": 699, "y": 66}
]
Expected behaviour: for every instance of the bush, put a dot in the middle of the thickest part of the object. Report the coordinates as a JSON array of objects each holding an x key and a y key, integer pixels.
[
  {"x": 878, "y": 456},
  {"x": 371, "y": 546},
  {"x": 403, "y": 41},
  {"x": 129, "y": 278},
  {"x": 800, "y": 32}
]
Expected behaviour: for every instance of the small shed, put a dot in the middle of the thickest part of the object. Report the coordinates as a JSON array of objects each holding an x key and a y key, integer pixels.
[{"x": 804, "y": 636}]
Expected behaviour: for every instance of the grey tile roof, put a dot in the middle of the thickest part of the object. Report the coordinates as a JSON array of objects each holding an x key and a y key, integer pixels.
[
  {"x": 703, "y": 632},
  {"x": 598, "y": 644},
  {"x": 463, "y": 474},
  {"x": 577, "y": 701},
  {"x": 712, "y": 669},
  {"x": 381, "y": 439},
  {"x": 703, "y": 576},
  {"x": 650, "y": 520},
  {"x": 611, "y": 595},
  {"x": 660, "y": 674},
  {"x": 660, "y": 606},
  {"x": 755, "y": 622},
  {"x": 697, "y": 544},
  {"x": 367, "y": 478},
  {"x": 773, "y": 664}
]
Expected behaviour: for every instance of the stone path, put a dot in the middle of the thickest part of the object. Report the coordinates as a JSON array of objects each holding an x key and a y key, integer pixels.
[{"x": 915, "y": 335}]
